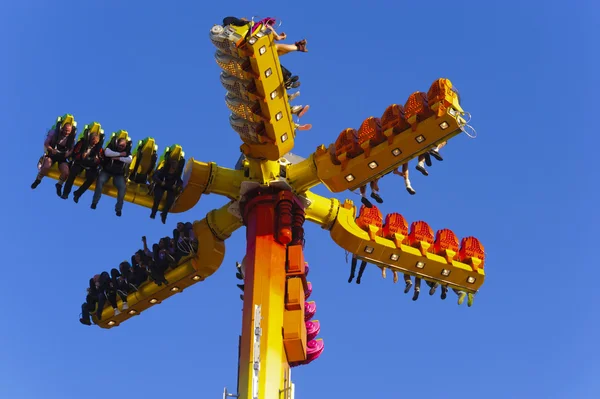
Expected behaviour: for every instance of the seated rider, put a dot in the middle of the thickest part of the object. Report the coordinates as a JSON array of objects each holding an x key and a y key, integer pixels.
[
  {"x": 120, "y": 281},
  {"x": 91, "y": 301},
  {"x": 267, "y": 24},
  {"x": 117, "y": 157},
  {"x": 58, "y": 146},
  {"x": 106, "y": 291},
  {"x": 87, "y": 156},
  {"x": 166, "y": 179}
]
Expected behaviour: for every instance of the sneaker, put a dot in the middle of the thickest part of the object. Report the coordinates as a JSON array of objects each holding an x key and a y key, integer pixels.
[
  {"x": 358, "y": 280},
  {"x": 87, "y": 322},
  {"x": 293, "y": 85},
  {"x": 118, "y": 213},
  {"x": 416, "y": 295},
  {"x": 366, "y": 202},
  {"x": 410, "y": 190},
  {"x": 163, "y": 218},
  {"x": 293, "y": 96},
  {"x": 350, "y": 278},
  {"x": 461, "y": 297},
  {"x": 240, "y": 286},
  {"x": 242, "y": 297},
  {"x": 58, "y": 187},
  {"x": 35, "y": 183},
  {"x": 470, "y": 298},
  {"x": 308, "y": 126},
  {"x": 76, "y": 197},
  {"x": 432, "y": 289},
  {"x": 407, "y": 287},
  {"x": 117, "y": 311},
  {"x": 64, "y": 196},
  {"x": 427, "y": 159},
  {"x": 239, "y": 276},
  {"x": 422, "y": 170},
  {"x": 300, "y": 110},
  {"x": 377, "y": 198},
  {"x": 444, "y": 292},
  {"x": 125, "y": 306},
  {"x": 93, "y": 206},
  {"x": 153, "y": 215},
  {"x": 436, "y": 155}
]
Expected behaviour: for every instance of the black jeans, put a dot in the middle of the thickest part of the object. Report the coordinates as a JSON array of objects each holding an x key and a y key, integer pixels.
[
  {"x": 158, "y": 194},
  {"x": 90, "y": 176}
]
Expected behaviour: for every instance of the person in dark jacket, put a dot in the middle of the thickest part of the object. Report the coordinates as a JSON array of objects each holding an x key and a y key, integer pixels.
[
  {"x": 91, "y": 301},
  {"x": 58, "y": 146},
  {"x": 115, "y": 164},
  {"x": 106, "y": 291},
  {"x": 87, "y": 156},
  {"x": 119, "y": 279},
  {"x": 166, "y": 179}
]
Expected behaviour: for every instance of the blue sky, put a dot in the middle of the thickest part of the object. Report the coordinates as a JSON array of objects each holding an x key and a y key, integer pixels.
[{"x": 525, "y": 187}]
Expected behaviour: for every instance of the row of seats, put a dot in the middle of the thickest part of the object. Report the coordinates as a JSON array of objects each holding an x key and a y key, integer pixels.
[
  {"x": 145, "y": 156},
  {"x": 444, "y": 242},
  {"x": 396, "y": 119}
]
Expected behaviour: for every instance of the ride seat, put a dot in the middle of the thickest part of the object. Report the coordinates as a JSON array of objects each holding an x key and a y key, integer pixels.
[
  {"x": 144, "y": 161},
  {"x": 420, "y": 236},
  {"x": 395, "y": 228},
  {"x": 446, "y": 244},
  {"x": 417, "y": 109},
  {"x": 347, "y": 147},
  {"x": 441, "y": 96},
  {"x": 370, "y": 134},
  {"x": 370, "y": 220},
  {"x": 472, "y": 252},
  {"x": 393, "y": 118}
]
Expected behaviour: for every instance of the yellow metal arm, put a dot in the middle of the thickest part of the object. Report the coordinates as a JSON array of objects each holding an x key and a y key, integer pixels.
[
  {"x": 340, "y": 220},
  {"x": 211, "y": 233},
  {"x": 199, "y": 178}
]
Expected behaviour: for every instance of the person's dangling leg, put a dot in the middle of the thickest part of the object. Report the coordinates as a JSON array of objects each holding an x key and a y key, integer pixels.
[
  {"x": 158, "y": 194},
  {"x": 407, "y": 282},
  {"x": 102, "y": 179},
  {"x": 44, "y": 168},
  {"x": 436, "y": 151},
  {"x": 75, "y": 170},
  {"x": 375, "y": 191},
  {"x": 461, "y": 295},
  {"x": 168, "y": 204},
  {"x": 361, "y": 270},
  {"x": 364, "y": 200},
  {"x": 121, "y": 185},
  {"x": 421, "y": 165},
  {"x": 352, "y": 269},
  {"x": 409, "y": 188},
  {"x": 63, "y": 168},
  {"x": 395, "y": 273},
  {"x": 444, "y": 292},
  {"x": 432, "y": 287},
  {"x": 90, "y": 177},
  {"x": 417, "y": 289}
]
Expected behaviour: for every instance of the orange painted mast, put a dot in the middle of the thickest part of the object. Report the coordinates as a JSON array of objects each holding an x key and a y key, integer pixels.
[{"x": 264, "y": 364}]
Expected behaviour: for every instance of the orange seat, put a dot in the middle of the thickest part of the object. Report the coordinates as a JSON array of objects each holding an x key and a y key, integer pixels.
[
  {"x": 441, "y": 92},
  {"x": 446, "y": 244},
  {"x": 420, "y": 232},
  {"x": 395, "y": 224},
  {"x": 347, "y": 143},
  {"x": 393, "y": 118},
  {"x": 369, "y": 217},
  {"x": 471, "y": 247},
  {"x": 370, "y": 133},
  {"x": 417, "y": 109}
]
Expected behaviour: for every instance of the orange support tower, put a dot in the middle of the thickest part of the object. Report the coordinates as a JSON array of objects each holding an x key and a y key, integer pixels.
[{"x": 264, "y": 370}]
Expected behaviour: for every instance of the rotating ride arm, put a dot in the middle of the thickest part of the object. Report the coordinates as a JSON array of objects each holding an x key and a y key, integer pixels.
[
  {"x": 211, "y": 232},
  {"x": 391, "y": 245},
  {"x": 383, "y": 144},
  {"x": 256, "y": 92},
  {"x": 198, "y": 177}
]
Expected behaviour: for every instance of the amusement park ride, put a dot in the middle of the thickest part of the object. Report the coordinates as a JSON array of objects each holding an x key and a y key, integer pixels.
[{"x": 269, "y": 193}]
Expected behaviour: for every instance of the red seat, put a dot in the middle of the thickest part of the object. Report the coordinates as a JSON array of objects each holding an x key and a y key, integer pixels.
[
  {"x": 446, "y": 244},
  {"x": 471, "y": 247},
  {"x": 420, "y": 232},
  {"x": 417, "y": 109},
  {"x": 395, "y": 224},
  {"x": 370, "y": 132},
  {"x": 441, "y": 92},
  {"x": 393, "y": 118},
  {"x": 369, "y": 217},
  {"x": 347, "y": 143}
]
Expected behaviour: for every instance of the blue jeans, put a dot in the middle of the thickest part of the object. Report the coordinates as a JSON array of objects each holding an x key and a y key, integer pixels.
[{"x": 119, "y": 183}]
